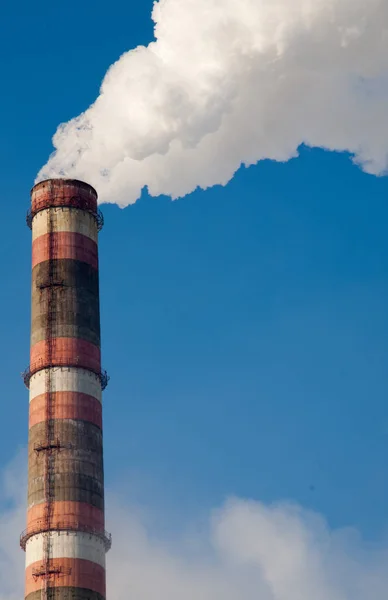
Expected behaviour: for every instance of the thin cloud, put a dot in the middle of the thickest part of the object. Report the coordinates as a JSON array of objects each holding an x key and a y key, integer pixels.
[
  {"x": 12, "y": 522},
  {"x": 248, "y": 550},
  {"x": 244, "y": 550}
]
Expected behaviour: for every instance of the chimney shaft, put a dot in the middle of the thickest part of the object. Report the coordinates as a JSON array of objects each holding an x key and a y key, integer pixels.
[{"x": 65, "y": 540}]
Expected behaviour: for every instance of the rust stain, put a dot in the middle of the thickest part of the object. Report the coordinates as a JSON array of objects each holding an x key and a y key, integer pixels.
[
  {"x": 59, "y": 192},
  {"x": 66, "y": 352},
  {"x": 84, "y": 574},
  {"x": 74, "y": 513}
]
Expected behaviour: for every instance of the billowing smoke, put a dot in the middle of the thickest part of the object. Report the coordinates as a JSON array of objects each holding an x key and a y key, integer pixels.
[{"x": 231, "y": 82}]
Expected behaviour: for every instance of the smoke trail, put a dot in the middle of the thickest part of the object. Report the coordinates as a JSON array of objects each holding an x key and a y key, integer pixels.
[{"x": 231, "y": 82}]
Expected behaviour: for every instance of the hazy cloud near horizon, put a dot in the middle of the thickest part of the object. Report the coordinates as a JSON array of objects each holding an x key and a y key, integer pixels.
[
  {"x": 244, "y": 549},
  {"x": 231, "y": 82}
]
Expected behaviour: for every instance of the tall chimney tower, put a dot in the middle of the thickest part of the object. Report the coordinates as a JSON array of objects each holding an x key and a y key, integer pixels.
[{"x": 65, "y": 540}]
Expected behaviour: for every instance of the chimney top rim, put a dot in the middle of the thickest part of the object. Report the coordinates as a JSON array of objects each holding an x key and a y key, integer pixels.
[{"x": 65, "y": 181}]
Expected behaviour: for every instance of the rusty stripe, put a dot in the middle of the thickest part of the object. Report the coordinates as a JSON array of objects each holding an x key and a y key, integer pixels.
[
  {"x": 74, "y": 301},
  {"x": 75, "y": 312},
  {"x": 65, "y": 352},
  {"x": 69, "y": 486},
  {"x": 64, "y": 244},
  {"x": 66, "y": 405},
  {"x": 70, "y": 273},
  {"x": 73, "y": 514},
  {"x": 64, "y": 330},
  {"x": 84, "y": 574},
  {"x": 78, "y": 463},
  {"x": 80, "y": 435},
  {"x": 67, "y": 593},
  {"x": 63, "y": 192}
]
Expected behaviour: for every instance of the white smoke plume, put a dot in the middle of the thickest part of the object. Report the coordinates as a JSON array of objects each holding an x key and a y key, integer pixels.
[
  {"x": 231, "y": 82},
  {"x": 244, "y": 550}
]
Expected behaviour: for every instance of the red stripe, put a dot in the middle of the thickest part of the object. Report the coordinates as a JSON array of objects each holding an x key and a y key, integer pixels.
[
  {"x": 58, "y": 192},
  {"x": 72, "y": 513},
  {"x": 66, "y": 405},
  {"x": 65, "y": 352},
  {"x": 84, "y": 574},
  {"x": 65, "y": 244}
]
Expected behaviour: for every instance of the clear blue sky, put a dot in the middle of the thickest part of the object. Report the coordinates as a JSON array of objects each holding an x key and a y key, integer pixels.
[{"x": 245, "y": 328}]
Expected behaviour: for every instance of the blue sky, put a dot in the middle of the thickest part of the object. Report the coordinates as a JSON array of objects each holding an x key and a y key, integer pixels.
[{"x": 245, "y": 328}]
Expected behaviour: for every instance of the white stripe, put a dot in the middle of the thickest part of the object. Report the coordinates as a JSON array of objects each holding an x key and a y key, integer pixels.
[
  {"x": 66, "y": 379},
  {"x": 65, "y": 544},
  {"x": 65, "y": 219}
]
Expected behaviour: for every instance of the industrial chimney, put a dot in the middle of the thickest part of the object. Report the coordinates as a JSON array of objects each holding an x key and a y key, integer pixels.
[{"x": 65, "y": 540}]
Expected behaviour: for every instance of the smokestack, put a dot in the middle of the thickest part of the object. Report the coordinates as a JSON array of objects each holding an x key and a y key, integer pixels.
[{"x": 65, "y": 540}]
